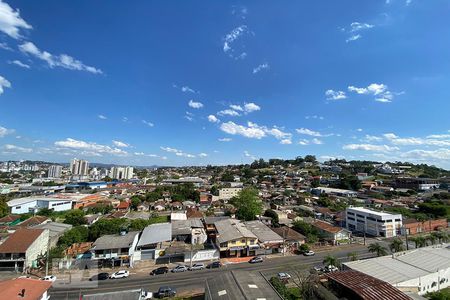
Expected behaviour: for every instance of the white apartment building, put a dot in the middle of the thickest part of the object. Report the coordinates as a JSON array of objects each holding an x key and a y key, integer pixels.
[
  {"x": 228, "y": 193},
  {"x": 121, "y": 173},
  {"x": 54, "y": 171},
  {"x": 373, "y": 222},
  {"x": 79, "y": 167}
]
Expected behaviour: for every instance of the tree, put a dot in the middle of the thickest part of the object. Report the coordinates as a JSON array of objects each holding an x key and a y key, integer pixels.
[
  {"x": 247, "y": 204},
  {"x": 135, "y": 201},
  {"x": 75, "y": 217},
  {"x": 304, "y": 248},
  {"x": 330, "y": 260},
  {"x": 77, "y": 234},
  {"x": 272, "y": 214},
  {"x": 378, "y": 249},
  {"x": 227, "y": 177},
  {"x": 419, "y": 241},
  {"x": 352, "y": 256},
  {"x": 310, "y": 159},
  {"x": 396, "y": 245}
]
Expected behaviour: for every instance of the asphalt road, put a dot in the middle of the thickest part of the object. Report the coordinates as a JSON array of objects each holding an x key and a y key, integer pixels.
[{"x": 195, "y": 280}]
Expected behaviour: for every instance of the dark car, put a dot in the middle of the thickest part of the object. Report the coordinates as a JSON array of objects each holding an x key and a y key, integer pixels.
[
  {"x": 160, "y": 270},
  {"x": 99, "y": 276},
  {"x": 213, "y": 265},
  {"x": 256, "y": 259},
  {"x": 166, "y": 291}
]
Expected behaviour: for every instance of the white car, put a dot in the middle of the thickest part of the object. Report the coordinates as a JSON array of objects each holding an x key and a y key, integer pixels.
[
  {"x": 197, "y": 267},
  {"x": 284, "y": 276},
  {"x": 120, "y": 274},
  {"x": 146, "y": 295},
  {"x": 178, "y": 269},
  {"x": 309, "y": 253},
  {"x": 331, "y": 268},
  {"x": 49, "y": 278}
]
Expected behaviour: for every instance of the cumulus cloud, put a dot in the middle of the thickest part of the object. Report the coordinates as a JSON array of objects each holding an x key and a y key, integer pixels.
[
  {"x": 4, "y": 83},
  {"x": 63, "y": 60},
  {"x": 414, "y": 141},
  {"x": 13, "y": 148},
  {"x": 247, "y": 154},
  {"x": 213, "y": 119},
  {"x": 11, "y": 22},
  {"x": 203, "y": 155},
  {"x": 120, "y": 144},
  {"x": 177, "y": 152},
  {"x": 91, "y": 148},
  {"x": 372, "y": 138},
  {"x": 353, "y": 38},
  {"x": 370, "y": 147},
  {"x": 306, "y": 131},
  {"x": 259, "y": 68},
  {"x": 425, "y": 155},
  {"x": 286, "y": 142},
  {"x": 335, "y": 95},
  {"x": 251, "y": 107},
  {"x": 149, "y": 124},
  {"x": 102, "y": 117},
  {"x": 228, "y": 112},
  {"x": 19, "y": 63},
  {"x": 186, "y": 89},
  {"x": 254, "y": 131},
  {"x": 224, "y": 140},
  {"x": 236, "y": 107},
  {"x": 5, "y": 131},
  {"x": 195, "y": 104},
  {"x": 379, "y": 90}
]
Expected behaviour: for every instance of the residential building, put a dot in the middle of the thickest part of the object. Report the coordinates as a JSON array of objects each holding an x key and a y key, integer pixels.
[
  {"x": 334, "y": 192},
  {"x": 116, "y": 246},
  {"x": 54, "y": 171},
  {"x": 418, "y": 184},
  {"x": 292, "y": 239},
  {"x": 190, "y": 231},
  {"x": 153, "y": 241},
  {"x": 25, "y": 289},
  {"x": 79, "y": 167},
  {"x": 22, "y": 248},
  {"x": 359, "y": 219},
  {"x": 233, "y": 238},
  {"x": 331, "y": 233},
  {"x": 269, "y": 241},
  {"x": 412, "y": 226},
  {"x": 121, "y": 173},
  {"x": 228, "y": 193},
  {"x": 55, "y": 231},
  {"x": 421, "y": 271}
]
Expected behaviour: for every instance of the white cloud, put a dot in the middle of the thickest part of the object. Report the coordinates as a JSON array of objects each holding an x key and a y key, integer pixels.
[
  {"x": 286, "y": 142},
  {"x": 90, "y": 148},
  {"x": 379, "y": 90},
  {"x": 149, "y": 124},
  {"x": 307, "y": 131},
  {"x": 359, "y": 129},
  {"x": 63, "y": 60},
  {"x": 316, "y": 141},
  {"x": 418, "y": 154},
  {"x": 261, "y": 67},
  {"x": 19, "y": 63},
  {"x": 4, "y": 83},
  {"x": 251, "y": 107},
  {"x": 353, "y": 38},
  {"x": 213, "y": 119},
  {"x": 247, "y": 154},
  {"x": 177, "y": 152},
  {"x": 228, "y": 112},
  {"x": 414, "y": 141},
  {"x": 124, "y": 119},
  {"x": 315, "y": 117},
  {"x": 303, "y": 142},
  {"x": 5, "y": 46},
  {"x": 439, "y": 136},
  {"x": 372, "y": 138},
  {"x": 224, "y": 140},
  {"x": 203, "y": 155},
  {"x": 232, "y": 36},
  {"x": 251, "y": 131},
  {"x": 335, "y": 95},
  {"x": 11, "y": 22},
  {"x": 102, "y": 117},
  {"x": 236, "y": 107},
  {"x": 120, "y": 144},
  {"x": 17, "y": 148},
  {"x": 370, "y": 147},
  {"x": 5, "y": 131},
  {"x": 356, "y": 26},
  {"x": 186, "y": 89},
  {"x": 195, "y": 104}
]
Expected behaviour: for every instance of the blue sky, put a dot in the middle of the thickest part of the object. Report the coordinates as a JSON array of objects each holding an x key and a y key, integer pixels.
[{"x": 216, "y": 82}]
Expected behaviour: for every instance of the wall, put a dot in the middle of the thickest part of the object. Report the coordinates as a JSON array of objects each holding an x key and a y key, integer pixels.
[
  {"x": 418, "y": 227},
  {"x": 425, "y": 283},
  {"x": 39, "y": 246},
  {"x": 202, "y": 255}
]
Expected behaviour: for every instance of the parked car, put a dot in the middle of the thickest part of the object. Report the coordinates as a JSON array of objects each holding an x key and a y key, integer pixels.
[
  {"x": 318, "y": 269},
  {"x": 120, "y": 274},
  {"x": 178, "y": 269},
  {"x": 330, "y": 268},
  {"x": 146, "y": 295},
  {"x": 213, "y": 265},
  {"x": 49, "y": 278},
  {"x": 284, "y": 276},
  {"x": 166, "y": 291},
  {"x": 309, "y": 253},
  {"x": 197, "y": 267},
  {"x": 256, "y": 259},
  {"x": 160, "y": 270},
  {"x": 99, "y": 276}
]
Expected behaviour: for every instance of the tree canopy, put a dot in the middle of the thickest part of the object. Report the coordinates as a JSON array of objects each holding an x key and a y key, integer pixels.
[{"x": 247, "y": 204}]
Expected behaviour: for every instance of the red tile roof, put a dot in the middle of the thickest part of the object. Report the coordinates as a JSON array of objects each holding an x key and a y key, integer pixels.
[
  {"x": 326, "y": 226},
  {"x": 9, "y": 218},
  {"x": 367, "y": 287},
  {"x": 33, "y": 288},
  {"x": 20, "y": 240},
  {"x": 33, "y": 221}
]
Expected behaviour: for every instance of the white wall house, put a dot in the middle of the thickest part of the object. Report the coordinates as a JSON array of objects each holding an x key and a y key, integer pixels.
[
  {"x": 35, "y": 203},
  {"x": 228, "y": 193},
  {"x": 359, "y": 219}
]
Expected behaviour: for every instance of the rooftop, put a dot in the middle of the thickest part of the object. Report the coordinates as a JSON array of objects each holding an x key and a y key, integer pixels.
[
  {"x": 232, "y": 229},
  {"x": 370, "y": 211},
  {"x": 264, "y": 233},
  {"x": 156, "y": 233},
  {"x": 115, "y": 241},
  {"x": 34, "y": 288},
  {"x": 20, "y": 240},
  {"x": 327, "y": 226}
]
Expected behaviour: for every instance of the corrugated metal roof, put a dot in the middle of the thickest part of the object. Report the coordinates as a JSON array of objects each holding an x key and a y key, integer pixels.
[
  {"x": 156, "y": 233},
  {"x": 264, "y": 233},
  {"x": 231, "y": 229},
  {"x": 115, "y": 241},
  {"x": 367, "y": 287}
]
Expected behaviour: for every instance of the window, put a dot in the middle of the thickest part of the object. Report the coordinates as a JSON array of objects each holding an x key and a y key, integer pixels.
[
  {"x": 252, "y": 242},
  {"x": 360, "y": 216},
  {"x": 18, "y": 207},
  {"x": 350, "y": 213},
  {"x": 223, "y": 245},
  {"x": 243, "y": 241},
  {"x": 360, "y": 221},
  {"x": 350, "y": 218},
  {"x": 397, "y": 220}
]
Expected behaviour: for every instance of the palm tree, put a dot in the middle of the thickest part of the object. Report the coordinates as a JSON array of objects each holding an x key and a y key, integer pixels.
[
  {"x": 420, "y": 241},
  {"x": 330, "y": 260},
  {"x": 352, "y": 256},
  {"x": 378, "y": 249},
  {"x": 396, "y": 245},
  {"x": 432, "y": 238}
]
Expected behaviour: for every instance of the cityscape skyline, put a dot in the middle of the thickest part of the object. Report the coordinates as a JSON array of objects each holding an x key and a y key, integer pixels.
[{"x": 174, "y": 84}]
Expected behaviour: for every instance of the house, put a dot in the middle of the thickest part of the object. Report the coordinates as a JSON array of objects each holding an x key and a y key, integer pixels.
[
  {"x": 123, "y": 206},
  {"x": 234, "y": 239},
  {"x": 211, "y": 228},
  {"x": 22, "y": 248},
  {"x": 334, "y": 192},
  {"x": 153, "y": 241},
  {"x": 190, "y": 231},
  {"x": 412, "y": 226},
  {"x": 332, "y": 233},
  {"x": 193, "y": 213},
  {"x": 178, "y": 216},
  {"x": 34, "y": 221},
  {"x": 176, "y": 205},
  {"x": 25, "y": 289},
  {"x": 292, "y": 239},
  {"x": 269, "y": 241},
  {"x": 159, "y": 205},
  {"x": 78, "y": 249},
  {"x": 10, "y": 220},
  {"x": 116, "y": 247},
  {"x": 55, "y": 231}
]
